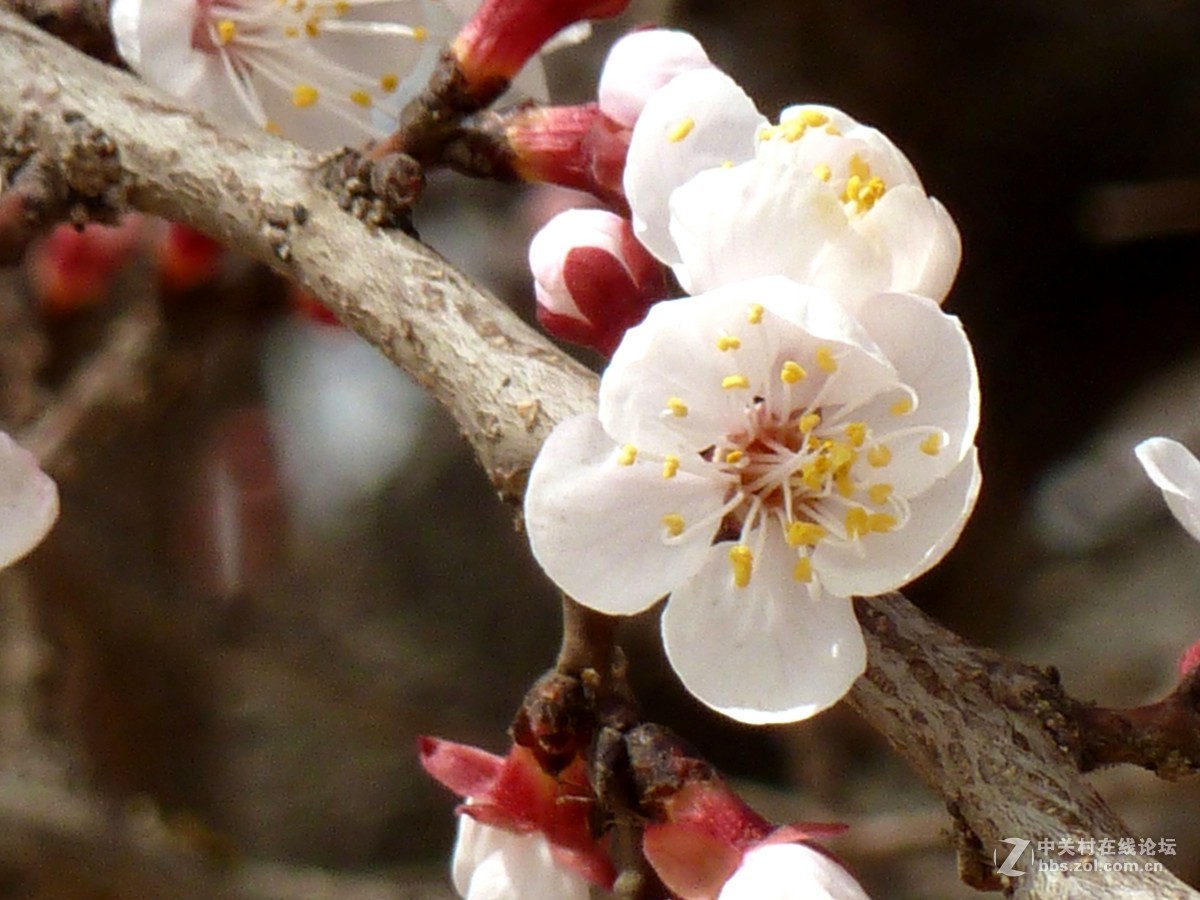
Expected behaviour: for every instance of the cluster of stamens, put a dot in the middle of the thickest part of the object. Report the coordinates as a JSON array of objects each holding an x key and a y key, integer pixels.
[
  {"x": 803, "y": 465},
  {"x": 276, "y": 40}
]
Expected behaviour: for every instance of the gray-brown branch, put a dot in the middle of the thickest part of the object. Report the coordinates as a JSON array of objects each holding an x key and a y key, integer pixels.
[{"x": 995, "y": 738}]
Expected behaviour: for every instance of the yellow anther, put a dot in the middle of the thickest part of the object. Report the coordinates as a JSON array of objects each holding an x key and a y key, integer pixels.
[
  {"x": 843, "y": 484},
  {"x": 902, "y": 407},
  {"x": 677, "y": 407},
  {"x": 755, "y": 316},
  {"x": 802, "y": 570},
  {"x": 881, "y": 523},
  {"x": 420, "y": 33},
  {"x": 856, "y": 433},
  {"x": 932, "y": 445},
  {"x": 272, "y": 127},
  {"x": 304, "y": 95},
  {"x": 879, "y": 493},
  {"x": 627, "y": 455},
  {"x": 857, "y": 522},
  {"x": 870, "y": 192},
  {"x": 311, "y": 27},
  {"x": 813, "y": 117},
  {"x": 832, "y": 129},
  {"x": 825, "y": 360},
  {"x": 809, "y": 421},
  {"x": 813, "y": 473},
  {"x": 299, "y": 5},
  {"x": 735, "y": 382},
  {"x": 808, "y": 534},
  {"x": 226, "y": 31},
  {"x": 823, "y": 172},
  {"x": 792, "y": 372},
  {"x": 728, "y": 342},
  {"x": 673, "y": 522},
  {"x": 859, "y": 168},
  {"x": 879, "y": 455},
  {"x": 741, "y": 558},
  {"x": 793, "y": 129},
  {"x": 389, "y": 83},
  {"x": 727, "y": 164},
  {"x": 734, "y": 456},
  {"x": 853, "y": 186},
  {"x": 341, "y": 7},
  {"x": 841, "y": 455},
  {"x": 680, "y": 131},
  {"x": 670, "y": 465},
  {"x": 361, "y": 98},
  {"x": 291, "y": 31}
]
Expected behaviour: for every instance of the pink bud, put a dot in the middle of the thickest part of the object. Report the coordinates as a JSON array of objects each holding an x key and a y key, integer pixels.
[
  {"x": 73, "y": 269},
  {"x": 593, "y": 279},
  {"x": 187, "y": 258},
  {"x": 503, "y": 34},
  {"x": 642, "y": 62},
  {"x": 1190, "y": 660}
]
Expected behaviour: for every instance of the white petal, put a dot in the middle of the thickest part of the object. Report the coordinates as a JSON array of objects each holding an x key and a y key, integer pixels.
[
  {"x": 28, "y": 501},
  {"x": 932, "y": 355},
  {"x": 790, "y": 872},
  {"x": 155, "y": 38},
  {"x": 919, "y": 238},
  {"x": 642, "y": 62},
  {"x": 765, "y": 653},
  {"x": 1176, "y": 472},
  {"x": 493, "y": 864},
  {"x": 596, "y": 526},
  {"x": 877, "y": 563},
  {"x": 723, "y": 123},
  {"x": 674, "y": 353}
]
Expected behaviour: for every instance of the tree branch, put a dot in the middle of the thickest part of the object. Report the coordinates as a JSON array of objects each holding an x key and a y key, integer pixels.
[{"x": 994, "y": 737}]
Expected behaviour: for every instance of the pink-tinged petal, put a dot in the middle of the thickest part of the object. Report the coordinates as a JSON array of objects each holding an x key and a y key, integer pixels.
[
  {"x": 933, "y": 356},
  {"x": 691, "y": 863},
  {"x": 596, "y": 526},
  {"x": 791, "y": 872},
  {"x": 876, "y": 563},
  {"x": 681, "y": 351},
  {"x": 640, "y": 64},
  {"x": 466, "y": 770},
  {"x": 492, "y": 864},
  {"x": 28, "y": 501},
  {"x": 699, "y": 120},
  {"x": 765, "y": 653},
  {"x": 1176, "y": 472}
]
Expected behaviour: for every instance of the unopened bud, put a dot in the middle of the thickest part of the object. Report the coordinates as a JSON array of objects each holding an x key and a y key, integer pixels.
[
  {"x": 73, "y": 269},
  {"x": 593, "y": 279},
  {"x": 187, "y": 258},
  {"x": 1190, "y": 660},
  {"x": 642, "y": 62}
]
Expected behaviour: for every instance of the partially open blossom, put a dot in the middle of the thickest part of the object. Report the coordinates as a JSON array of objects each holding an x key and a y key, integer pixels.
[
  {"x": 528, "y": 834},
  {"x": 642, "y": 62},
  {"x": 1176, "y": 472},
  {"x": 761, "y": 455},
  {"x": 321, "y": 73},
  {"x": 790, "y": 872},
  {"x": 722, "y": 195},
  {"x": 28, "y": 501},
  {"x": 593, "y": 279}
]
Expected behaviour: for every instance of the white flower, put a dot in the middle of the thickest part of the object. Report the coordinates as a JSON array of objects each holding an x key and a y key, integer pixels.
[
  {"x": 28, "y": 502},
  {"x": 320, "y": 72},
  {"x": 761, "y": 455},
  {"x": 1176, "y": 472},
  {"x": 722, "y": 196},
  {"x": 790, "y": 872},
  {"x": 494, "y": 864},
  {"x": 642, "y": 62}
]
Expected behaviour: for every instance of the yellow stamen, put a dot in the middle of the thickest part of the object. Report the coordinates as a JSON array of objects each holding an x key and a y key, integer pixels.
[
  {"x": 226, "y": 31},
  {"x": 303, "y": 96},
  {"x": 813, "y": 117},
  {"x": 677, "y": 407},
  {"x": 857, "y": 522},
  {"x": 823, "y": 172},
  {"x": 670, "y": 465},
  {"x": 858, "y": 167},
  {"x": 932, "y": 445},
  {"x": 728, "y": 342},
  {"x": 792, "y": 372},
  {"x": 856, "y": 433},
  {"x": 734, "y": 456},
  {"x": 627, "y": 455},
  {"x": 879, "y": 493},
  {"x": 825, "y": 360},
  {"x": 755, "y": 316},
  {"x": 361, "y": 98},
  {"x": 806, "y": 533},
  {"x": 341, "y": 7},
  {"x": 742, "y": 559},
  {"x": 673, "y": 522},
  {"x": 881, "y": 523},
  {"x": 841, "y": 454},
  {"x": 809, "y": 421},
  {"x": 727, "y": 164},
  {"x": 879, "y": 455},
  {"x": 420, "y": 33},
  {"x": 730, "y": 382},
  {"x": 682, "y": 130},
  {"x": 388, "y": 83},
  {"x": 291, "y": 31},
  {"x": 802, "y": 570},
  {"x": 793, "y": 129},
  {"x": 841, "y": 481},
  {"x": 903, "y": 406}
]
